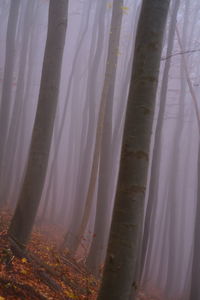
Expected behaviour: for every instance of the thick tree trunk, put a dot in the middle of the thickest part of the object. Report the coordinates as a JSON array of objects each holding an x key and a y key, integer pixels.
[
  {"x": 75, "y": 65},
  {"x": 23, "y": 219},
  {"x": 149, "y": 226},
  {"x": 127, "y": 220}
]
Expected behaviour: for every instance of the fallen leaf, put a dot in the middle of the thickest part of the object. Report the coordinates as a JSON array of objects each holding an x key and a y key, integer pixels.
[
  {"x": 23, "y": 272},
  {"x": 70, "y": 295}
]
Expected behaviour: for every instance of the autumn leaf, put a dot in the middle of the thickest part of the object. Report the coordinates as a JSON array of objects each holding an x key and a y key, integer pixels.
[
  {"x": 70, "y": 294},
  {"x": 27, "y": 273},
  {"x": 22, "y": 272}
]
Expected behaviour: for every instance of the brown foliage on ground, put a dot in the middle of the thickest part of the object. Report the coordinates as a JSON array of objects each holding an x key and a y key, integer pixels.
[{"x": 42, "y": 272}]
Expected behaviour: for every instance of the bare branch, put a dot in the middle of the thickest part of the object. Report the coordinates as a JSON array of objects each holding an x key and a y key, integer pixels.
[{"x": 180, "y": 53}]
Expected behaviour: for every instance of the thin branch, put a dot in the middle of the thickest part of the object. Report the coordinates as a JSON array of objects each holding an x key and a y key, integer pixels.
[
  {"x": 194, "y": 98},
  {"x": 180, "y": 53}
]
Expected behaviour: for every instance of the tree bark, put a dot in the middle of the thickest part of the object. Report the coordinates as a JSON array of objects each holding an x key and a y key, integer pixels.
[
  {"x": 122, "y": 253},
  {"x": 149, "y": 225},
  {"x": 24, "y": 216}
]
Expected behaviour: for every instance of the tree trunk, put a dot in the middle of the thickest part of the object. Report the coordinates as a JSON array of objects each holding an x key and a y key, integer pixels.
[
  {"x": 105, "y": 163},
  {"x": 122, "y": 252},
  {"x": 86, "y": 189},
  {"x": 24, "y": 216},
  {"x": 5, "y": 104},
  {"x": 12, "y": 130},
  {"x": 154, "y": 177}
]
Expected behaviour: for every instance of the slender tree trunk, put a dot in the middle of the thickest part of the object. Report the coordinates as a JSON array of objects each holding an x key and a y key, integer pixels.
[
  {"x": 122, "y": 253},
  {"x": 12, "y": 132},
  {"x": 174, "y": 255},
  {"x": 17, "y": 152},
  {"x": 195, "y": 273},
  {"x": 95, "y": 163},
  {"x": 103, "y": 203},
  {"x": 24, "y": 216},
  {"x": 86, "y": 191},
  {"x": 194, "y": 290},
  {"x": 5, "y": 104}
]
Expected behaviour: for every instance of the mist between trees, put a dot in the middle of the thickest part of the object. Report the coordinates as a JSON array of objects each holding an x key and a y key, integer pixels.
[{"x": 99, "y": 135}]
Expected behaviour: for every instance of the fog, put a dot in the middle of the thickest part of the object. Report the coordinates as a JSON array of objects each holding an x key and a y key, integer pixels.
[{"x": 81, "y": 177}]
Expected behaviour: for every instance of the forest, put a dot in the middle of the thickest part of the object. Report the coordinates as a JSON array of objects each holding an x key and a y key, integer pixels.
[{"x": 99, "y": 149}]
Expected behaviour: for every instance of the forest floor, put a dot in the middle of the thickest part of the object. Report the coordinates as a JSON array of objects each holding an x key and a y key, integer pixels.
[{"x": 44, "y": 271}]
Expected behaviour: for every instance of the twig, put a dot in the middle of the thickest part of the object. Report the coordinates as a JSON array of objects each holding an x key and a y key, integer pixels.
[{"x": 180, "y": 53}]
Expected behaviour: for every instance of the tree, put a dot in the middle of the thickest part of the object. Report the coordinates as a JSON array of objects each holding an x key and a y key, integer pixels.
[
  {"x": 24, "y": 216},
  {"x": 195, "y": 266},
  {"x": 126, "y": 228},
  {"x": 86, "y": 189},
  {"x": 105, "y": 138},
  {"x": 5, "y": 105},
  {"x": 61, "y": 127},
  {"x": 195, "y": 269},
  {"x": 147, "y": 242},
  {"x": 15, "y": 114}
]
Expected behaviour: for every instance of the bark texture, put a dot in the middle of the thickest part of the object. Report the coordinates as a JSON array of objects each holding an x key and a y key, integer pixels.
[
  {"x": 147, "y": 243},
  {"x": 122, "y": 253}
]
